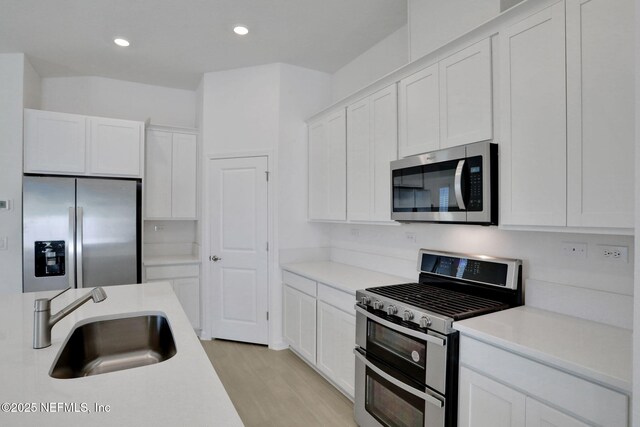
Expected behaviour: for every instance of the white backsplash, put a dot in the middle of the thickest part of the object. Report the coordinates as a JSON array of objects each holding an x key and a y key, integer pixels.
[
  {"x": 590, "y": 287},
  {"x": 168, "y": 238}
]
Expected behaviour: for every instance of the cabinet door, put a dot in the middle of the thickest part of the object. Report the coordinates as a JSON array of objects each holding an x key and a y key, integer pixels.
[
  {"x": 533, "y": 120},
  {"x": 184, "y": 176},
  {"x": 116, "y": 147},
  {"x": 359, "y": 184},
  {"x": 318, "y": 171},
  {"x": 188, "y": 293},
  {"x": 539, "y": 415},
  {"x": 336, "y": 341},
  {"x": 419, "y": 112},
  {"x": 487, "y": 403},
  {"x": 54, "y": 142},
  {"x": 384, "y": 146},
  {"x": 158, "y": 174},
  {"x": 466, "y": 96},
  {"x": 337, "y": 158},
  {"x": 300, "y": 322},
  {"x": 600, "y": 55}
]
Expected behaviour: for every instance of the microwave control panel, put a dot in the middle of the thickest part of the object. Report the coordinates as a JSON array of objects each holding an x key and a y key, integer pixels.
[{"x": 475, "y": 183}]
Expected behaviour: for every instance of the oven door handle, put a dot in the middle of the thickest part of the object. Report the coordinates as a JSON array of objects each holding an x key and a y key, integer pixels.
[
  {"x": 430, "y": 338},
  {"x": 422, "y": 395}
]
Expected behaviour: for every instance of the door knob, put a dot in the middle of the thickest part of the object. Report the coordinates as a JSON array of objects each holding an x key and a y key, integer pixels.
[{"x": 214, "y": 258}]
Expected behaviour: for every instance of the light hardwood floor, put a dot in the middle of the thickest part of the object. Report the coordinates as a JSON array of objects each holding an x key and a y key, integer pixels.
[{"x": 276, "y": 388}]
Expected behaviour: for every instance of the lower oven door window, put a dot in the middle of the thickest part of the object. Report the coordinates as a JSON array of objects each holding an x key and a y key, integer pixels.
[{"x": 391, "y": 405}]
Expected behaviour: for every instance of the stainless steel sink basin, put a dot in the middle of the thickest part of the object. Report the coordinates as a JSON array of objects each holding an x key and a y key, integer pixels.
[{"x": 114, "y": 345}]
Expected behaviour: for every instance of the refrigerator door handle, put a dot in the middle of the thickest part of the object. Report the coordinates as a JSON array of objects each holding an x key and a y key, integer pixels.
[
  {"x": 71, "y": 245},
  {"x": 79, "y": 221}
]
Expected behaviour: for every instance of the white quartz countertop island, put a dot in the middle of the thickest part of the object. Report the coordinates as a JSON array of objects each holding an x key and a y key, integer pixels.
[{"x": 184, "y": 390}]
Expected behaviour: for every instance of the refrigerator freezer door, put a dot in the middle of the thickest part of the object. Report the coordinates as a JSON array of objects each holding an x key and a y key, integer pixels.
[
  {"x": 107, "y": 232},
  {"x": 48, "y": 205}
]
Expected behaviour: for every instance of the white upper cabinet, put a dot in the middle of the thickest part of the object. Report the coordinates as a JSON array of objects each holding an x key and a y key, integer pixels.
[
  {"x": 116, "y": 147},
  {"x": 54, "y": 142},
  {"x": 60, "y": 143},
  {"x": 171, "y": 175},
  {"x": 327, "y": 168},
  {"x": 448, "y": 103},
  {"x": 371, "y": 146},
  {"x": 533, "y": 120},
  {"x": 419, "y": 112},
  {"x": 466, "y": 96},
  {"x": 600, "y": 113}
]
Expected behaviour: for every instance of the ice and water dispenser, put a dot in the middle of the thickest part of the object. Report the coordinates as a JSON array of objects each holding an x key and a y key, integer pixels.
[{"x": 49, "y": 258}]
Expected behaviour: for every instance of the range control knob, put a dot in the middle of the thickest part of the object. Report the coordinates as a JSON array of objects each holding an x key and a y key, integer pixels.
[
  {"x": 391, "y": 310},
  {"x": 407, "y": 315},
  {"x": 377, "y": 304},
  {"x": 425, "y": 322},
  {"x": 365, "y": 300}
]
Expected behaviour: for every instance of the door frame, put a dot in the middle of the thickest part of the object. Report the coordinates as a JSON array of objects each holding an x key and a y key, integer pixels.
[{"x": 206, "y": 301}]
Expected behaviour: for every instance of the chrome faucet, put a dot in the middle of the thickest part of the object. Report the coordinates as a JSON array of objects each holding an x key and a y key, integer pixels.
[{"x": 43, "y": 321}]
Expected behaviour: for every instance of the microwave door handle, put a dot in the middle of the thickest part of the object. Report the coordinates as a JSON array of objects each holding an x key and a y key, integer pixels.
[
  {"x": 458, "y": 184},
  {"x": 424, "y": 396}
]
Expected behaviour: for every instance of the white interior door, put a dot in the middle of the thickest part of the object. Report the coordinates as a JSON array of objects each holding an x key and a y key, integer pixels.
[{"x": 238, "y": 215}]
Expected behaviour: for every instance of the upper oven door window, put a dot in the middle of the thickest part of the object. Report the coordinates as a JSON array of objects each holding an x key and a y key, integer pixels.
[{"x": 406, "y": 353}]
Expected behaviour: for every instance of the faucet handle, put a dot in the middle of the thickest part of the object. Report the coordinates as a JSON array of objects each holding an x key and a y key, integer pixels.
[{"x": 43, "y": 304}]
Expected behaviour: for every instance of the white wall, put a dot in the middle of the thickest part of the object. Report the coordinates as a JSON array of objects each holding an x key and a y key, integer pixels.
[
  {"x": 12, "y": 91},
  {"x": 262, "y": 109},
  {"x": 386, "y": 56},
  {"x": 32, "y": 86},
  {"x": 433, "y": 23},
  {"x": 588, "y": 288},
  {"x": 100, "y": 96}
]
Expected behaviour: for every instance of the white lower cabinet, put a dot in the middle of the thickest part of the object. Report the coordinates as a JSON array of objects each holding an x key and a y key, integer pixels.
[
  {"x": 185, "y": 280},
  {"x": 320, "y": 326},
  {"x": 300, "y": 322},
  {"x": 336, "y": 335},
  {"x": 487, "y": 403},
  {"x": 499, "y": 388}
]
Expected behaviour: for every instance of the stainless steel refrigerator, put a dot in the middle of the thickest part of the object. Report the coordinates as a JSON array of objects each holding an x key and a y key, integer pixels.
[{"x": 80, "y": 232}]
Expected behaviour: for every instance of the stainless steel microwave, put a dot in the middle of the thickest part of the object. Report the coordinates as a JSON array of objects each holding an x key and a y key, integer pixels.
[{"x": 457, "y": 185}]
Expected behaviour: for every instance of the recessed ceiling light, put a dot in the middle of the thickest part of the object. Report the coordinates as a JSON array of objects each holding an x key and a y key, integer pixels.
[
  {"x": 121, "y": 42},
  {"x": 240, "y": 30}
]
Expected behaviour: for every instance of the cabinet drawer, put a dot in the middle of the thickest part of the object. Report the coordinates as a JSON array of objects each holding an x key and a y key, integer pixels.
[
  {"x": 300, "y": 283},
  {"x": 171, "y": 271},
  {"x": 339, "y": 299}
]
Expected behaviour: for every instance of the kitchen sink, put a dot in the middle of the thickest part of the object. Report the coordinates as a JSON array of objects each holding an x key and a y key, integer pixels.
[{"x": 111, "y": 345}]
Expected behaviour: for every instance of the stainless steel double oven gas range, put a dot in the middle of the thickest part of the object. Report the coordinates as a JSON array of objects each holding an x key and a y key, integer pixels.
[{"x": 406, "y": 347}]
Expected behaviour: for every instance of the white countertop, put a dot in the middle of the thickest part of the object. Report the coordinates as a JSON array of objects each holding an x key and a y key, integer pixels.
[
  {"x": 184, "y": 390},
  {"x": 171, "y": 260},
  {"x": 342, "y": 276},
  {"x": 594, "y": 351}
]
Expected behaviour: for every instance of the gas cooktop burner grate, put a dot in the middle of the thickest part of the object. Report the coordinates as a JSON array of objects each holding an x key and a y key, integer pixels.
[{"x": 453, "y": 304}]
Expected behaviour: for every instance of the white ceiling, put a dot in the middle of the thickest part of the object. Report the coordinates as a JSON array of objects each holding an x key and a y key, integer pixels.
[{"x": 173, "y": 42}]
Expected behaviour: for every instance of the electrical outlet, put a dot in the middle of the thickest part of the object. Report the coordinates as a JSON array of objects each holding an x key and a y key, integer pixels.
[
  {"x": 355, "y": 232},
  {"x": 614, "y": 253},
  {"x": 158, "y": 227},
  {"x": 4, "y": 243},
  {"x": 411, "y": 237},
  {"x": 576, "y": 250}
]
